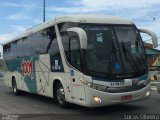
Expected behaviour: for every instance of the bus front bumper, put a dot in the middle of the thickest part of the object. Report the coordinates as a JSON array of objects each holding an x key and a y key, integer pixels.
[{"x": 95, "y": 98}]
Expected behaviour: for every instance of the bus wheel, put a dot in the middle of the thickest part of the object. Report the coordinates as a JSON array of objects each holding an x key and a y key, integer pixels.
[
  {"x": 60, "y": 96},
  {"x": 14, "y": 87}
]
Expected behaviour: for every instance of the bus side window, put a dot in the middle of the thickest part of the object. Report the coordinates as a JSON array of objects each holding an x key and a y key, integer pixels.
[
  {"x": 65, "y": 42},
  {"x": 6, "y": 50},
  {"x": 74, "y": 50},
  {"x": 49, "y": 36},
  {"x": 26, "y": 46}
]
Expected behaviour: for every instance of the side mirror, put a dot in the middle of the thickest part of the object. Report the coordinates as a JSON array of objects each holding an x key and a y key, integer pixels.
[
  {"x": 82, "y": 36},
  {"x": 153, "y": 36}
]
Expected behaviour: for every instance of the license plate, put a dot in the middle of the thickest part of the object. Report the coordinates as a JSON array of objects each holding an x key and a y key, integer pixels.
[
  {"x": 126, "y": 97},
  {"x": 116, "y": 84}
]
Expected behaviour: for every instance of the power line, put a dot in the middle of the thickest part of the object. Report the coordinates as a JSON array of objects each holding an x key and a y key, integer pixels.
[
  {"x": 147, "y": 16},
  {"x": 151, "y": 18},
  {"x": 148, "y": 19}
]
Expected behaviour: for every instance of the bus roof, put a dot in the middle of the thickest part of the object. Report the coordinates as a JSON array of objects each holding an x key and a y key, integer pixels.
[{"x": 84, "y": 18}]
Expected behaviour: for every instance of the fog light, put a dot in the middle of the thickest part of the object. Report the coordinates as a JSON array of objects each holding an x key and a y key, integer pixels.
[
  {"x": 148, "y": 93},
  {"x": 97, "y": 99}
]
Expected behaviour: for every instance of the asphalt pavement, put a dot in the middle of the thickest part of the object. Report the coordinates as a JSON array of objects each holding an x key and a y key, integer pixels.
[{"x": 34, "y": 107}]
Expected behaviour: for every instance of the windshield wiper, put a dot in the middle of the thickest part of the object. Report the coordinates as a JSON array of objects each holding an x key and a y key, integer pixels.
[
  {"x": 132, "y": 61},
  {"x": 143, "y": 58},
  {"x": 113, "y": 52},
  {"x": 114, "y": 59}
]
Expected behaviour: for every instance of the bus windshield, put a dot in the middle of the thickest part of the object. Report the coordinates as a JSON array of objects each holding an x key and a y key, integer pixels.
[{"x": 114, "y": 50}]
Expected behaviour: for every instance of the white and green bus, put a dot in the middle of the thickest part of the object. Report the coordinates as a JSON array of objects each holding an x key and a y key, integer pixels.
[{"x": 88, "y": 60}]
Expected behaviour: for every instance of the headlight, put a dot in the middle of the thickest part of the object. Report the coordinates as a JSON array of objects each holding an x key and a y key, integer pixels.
[
  {"x": 88, "y": 84},
  {"x": 140, "y": 82},
  {"x": 97, "y": 99},
  {"x": 94, "y": 86},
  {"x": 148, "y": 93}
]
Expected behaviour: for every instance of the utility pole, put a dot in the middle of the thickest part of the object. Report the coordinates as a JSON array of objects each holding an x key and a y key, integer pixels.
[{"x": 44, "y": 10}]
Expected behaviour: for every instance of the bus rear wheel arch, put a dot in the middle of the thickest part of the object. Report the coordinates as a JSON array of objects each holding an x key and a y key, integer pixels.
[{"x": 59, "y": 94}]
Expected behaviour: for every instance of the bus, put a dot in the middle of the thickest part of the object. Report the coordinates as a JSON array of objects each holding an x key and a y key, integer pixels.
[{"x": 88, "y": 60}]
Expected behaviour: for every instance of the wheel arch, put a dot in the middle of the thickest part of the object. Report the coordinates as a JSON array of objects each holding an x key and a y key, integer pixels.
[{"x": 56, "y": 80}]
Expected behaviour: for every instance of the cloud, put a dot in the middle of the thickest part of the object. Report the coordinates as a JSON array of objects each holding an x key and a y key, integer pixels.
[
  {"x": 153, "y": 26},
  {"x": 20, "y": 28},
  {"x": 8, "y": 4},
  {"x": 37, "y": 21},
  {"x": 11, "y": 4},
  {"x": 18, "y": 17},
  {"x": 96, "y": 6},
  {"x": 71, "y": 9},
  {"x": 53, "y": 15},
  {"x": 6, "y": 37},
  {"x": 116, "y": 4}
]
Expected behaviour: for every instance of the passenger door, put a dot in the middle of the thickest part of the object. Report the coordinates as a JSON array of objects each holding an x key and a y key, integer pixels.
[{"x": 77, "y": 88}]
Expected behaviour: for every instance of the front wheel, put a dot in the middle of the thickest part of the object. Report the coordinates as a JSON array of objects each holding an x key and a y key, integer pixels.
[{"x": 60, "y": 96}]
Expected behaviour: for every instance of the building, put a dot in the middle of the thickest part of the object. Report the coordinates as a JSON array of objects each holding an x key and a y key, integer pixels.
[{"x": 153, "y": 58}]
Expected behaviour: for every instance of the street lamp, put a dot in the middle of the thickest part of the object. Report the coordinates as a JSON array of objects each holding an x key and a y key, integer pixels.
[{"x": 44, "y": 10}]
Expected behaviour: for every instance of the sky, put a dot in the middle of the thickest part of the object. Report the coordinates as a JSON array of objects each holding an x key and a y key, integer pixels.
[{"x": 18, "y": 15}]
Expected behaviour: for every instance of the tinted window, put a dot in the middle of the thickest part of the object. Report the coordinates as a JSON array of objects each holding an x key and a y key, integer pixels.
[
  {"x": 19, "y": 48},
  {"x": 13, "y": 51},
  {"x": 37, "y": 43},
  {"x": 71, "y": 47},
  {"x": 49, "y": 36},
  {"x": 101, "y": 49},
  {"x": 26, "y": 46},
  {"x": 54, "y": 49},
  {"x": 64, "y": 26},
  {"x": 65, "y": 42},
  {"x": 74, "y": 46},
  {"x": 41, "y": 42},
  {"x": 6, "y": 50}
]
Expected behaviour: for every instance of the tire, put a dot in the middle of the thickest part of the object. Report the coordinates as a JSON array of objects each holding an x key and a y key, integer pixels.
[
  {"x": 14, "y": 88},
  {"x": 60, "y": 96}
]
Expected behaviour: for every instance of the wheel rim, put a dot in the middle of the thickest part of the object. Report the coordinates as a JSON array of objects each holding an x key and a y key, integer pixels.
[{"x": 60, "y": 95}]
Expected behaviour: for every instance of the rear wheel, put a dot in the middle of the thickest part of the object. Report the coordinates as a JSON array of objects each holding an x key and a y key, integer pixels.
[
  {"x": 60, "y": 96},
  {"x": 14, "y": 87}
]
